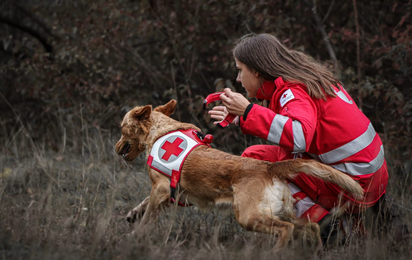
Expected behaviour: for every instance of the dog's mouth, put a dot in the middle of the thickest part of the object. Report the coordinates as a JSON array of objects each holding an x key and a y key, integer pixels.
[{"x": 125, "y": 150}]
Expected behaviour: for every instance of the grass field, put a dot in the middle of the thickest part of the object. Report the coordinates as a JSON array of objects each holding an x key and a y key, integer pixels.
[{"x": 70, "y": 203}]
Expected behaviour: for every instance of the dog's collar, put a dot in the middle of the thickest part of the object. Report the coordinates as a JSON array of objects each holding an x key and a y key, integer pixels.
[{"x": 171, "y": 150}]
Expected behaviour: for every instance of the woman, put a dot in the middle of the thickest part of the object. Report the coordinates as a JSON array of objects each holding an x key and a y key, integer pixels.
[{"x": 309, "y": 115}]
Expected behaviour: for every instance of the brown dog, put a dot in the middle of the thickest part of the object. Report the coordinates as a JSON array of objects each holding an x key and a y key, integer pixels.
[{"x": 257, "y": 190}]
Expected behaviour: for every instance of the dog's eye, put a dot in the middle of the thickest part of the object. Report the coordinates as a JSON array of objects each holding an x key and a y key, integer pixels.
[{"x": 125, "y": 131}]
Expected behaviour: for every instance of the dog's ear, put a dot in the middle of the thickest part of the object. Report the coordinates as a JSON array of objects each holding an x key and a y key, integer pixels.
[
  {"x": 168, "y": 108},
  {"x": 142, "y": 113}
]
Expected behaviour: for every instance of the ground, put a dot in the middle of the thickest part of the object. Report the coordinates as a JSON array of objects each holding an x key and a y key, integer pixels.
[{"x": 70, "y": 204}]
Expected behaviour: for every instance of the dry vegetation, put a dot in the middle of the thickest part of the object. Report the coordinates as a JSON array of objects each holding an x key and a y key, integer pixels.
[
  {"x": 71, "y": 205},
  {"x": 69, "y": 69}
]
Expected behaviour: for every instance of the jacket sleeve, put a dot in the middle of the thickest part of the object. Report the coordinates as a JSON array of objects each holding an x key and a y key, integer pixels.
[{"x": 292, "y": 129}]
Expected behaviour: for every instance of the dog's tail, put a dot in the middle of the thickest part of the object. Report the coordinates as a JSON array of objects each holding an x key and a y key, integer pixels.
[{"x": 291, "y": 168}]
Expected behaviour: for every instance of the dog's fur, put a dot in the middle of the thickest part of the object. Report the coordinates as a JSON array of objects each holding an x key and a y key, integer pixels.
[{"x": 257, "y": 190}]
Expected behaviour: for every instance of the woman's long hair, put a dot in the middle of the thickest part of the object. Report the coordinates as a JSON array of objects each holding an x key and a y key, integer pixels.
[{"x": 263, "y": 53}]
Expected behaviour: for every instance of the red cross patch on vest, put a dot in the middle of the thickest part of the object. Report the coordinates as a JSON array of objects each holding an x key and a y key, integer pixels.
[{"x": 170, "y": 151}]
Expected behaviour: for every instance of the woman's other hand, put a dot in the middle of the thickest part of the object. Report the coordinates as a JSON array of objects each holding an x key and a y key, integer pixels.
[{"x": 235, "y": 103}]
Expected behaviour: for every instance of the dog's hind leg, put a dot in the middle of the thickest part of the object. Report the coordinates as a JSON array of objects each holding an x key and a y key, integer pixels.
[
  {"x": 251, "y": 216},
  {"x": 252, "y": 220},
  {"x": 309, "y": 233}
]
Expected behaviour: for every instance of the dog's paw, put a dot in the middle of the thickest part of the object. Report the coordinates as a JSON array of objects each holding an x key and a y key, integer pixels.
[
  {"x": 131, "y": 216},
  {"x": 134, "y": 215}
]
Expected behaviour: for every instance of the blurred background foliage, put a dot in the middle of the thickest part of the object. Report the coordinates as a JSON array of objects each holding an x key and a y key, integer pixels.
[{"x": 73, "y": 67}]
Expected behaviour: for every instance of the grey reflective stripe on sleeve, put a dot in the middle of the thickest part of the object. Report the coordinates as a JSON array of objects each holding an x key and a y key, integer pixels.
[
  {"x": 343, "y": 97},
  {"x": 362, "y": 168},
  {"x": 303, "y": 205},
  {"x": 299, "y": 141},
  {"x": 350, "y": 148},
  {"x": 276, "y": 128}
]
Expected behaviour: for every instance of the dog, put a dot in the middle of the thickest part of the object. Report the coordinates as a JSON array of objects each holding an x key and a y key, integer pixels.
[{"x": 256, "y": 190}]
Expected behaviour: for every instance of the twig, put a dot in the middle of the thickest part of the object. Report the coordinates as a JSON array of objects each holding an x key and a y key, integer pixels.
[
  {"x": 358, "y": 54},
  {"x": 329, "y": 10},
  {"x": 32, "y": 32},
  {"x": 325, "y": 36},
  {"x": 24, "y": 129},
  {"x": 33, "y": 18},
  {"x": 177, "y": 94}
]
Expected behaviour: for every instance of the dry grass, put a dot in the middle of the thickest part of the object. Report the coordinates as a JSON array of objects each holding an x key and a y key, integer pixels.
[{"x": 71, "y": 204}]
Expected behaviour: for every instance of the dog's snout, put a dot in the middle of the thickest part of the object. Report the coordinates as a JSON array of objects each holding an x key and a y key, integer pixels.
[{"x": 125, "y": 149}]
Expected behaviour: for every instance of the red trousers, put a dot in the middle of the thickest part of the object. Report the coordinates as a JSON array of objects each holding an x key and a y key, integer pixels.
[{"x": 314, "y": 197}]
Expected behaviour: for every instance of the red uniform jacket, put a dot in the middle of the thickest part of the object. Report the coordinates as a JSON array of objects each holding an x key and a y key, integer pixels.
[{"x": 334, "y": 132}]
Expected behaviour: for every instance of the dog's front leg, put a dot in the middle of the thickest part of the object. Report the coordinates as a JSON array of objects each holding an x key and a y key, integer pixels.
[
  {"x": 159, "y": 197},
  {"x": 138, "y": 212}
]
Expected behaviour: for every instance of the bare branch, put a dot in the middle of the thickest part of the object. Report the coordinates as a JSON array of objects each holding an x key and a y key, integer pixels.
[
  {"x": 28, "y": 30},
  {"x": 358, "y": 54},
  {"x": 33, "y": 18},
  {"x": 329, "y": 10},
  {"x": 325, "y": 36}
]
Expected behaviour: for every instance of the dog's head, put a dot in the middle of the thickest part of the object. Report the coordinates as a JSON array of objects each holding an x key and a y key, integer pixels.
[{"x": 136, "y": 127}]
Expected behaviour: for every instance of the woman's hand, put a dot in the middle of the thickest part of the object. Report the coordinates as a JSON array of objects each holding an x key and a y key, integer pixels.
[
  {"x": 235, "y": 103},
  {"x": 219, "y": 113}
]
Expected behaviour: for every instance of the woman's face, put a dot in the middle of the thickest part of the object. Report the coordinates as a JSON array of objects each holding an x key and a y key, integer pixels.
[{"x": 250, "y": 80}]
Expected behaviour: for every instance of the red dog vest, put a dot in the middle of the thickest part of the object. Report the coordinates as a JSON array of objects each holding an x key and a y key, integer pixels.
[{"x": 170, "y": 151}]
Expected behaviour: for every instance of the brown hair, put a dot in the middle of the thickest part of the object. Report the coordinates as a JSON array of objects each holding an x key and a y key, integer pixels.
[{"x": 263, "y": 53}]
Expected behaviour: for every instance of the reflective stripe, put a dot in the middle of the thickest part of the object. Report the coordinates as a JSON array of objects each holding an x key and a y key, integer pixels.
[
  {"x": 350, "y": 148},
  {"x": 276, "y": 128},
  {"x": 362, "y": 168},
  {"x": 299, "y": 141},
  {"x": 344, "y": 97},
  {"x": 293, "y": 188},
  {"x": 162, "y": 168},
  {"x": 303, "y": 205}
]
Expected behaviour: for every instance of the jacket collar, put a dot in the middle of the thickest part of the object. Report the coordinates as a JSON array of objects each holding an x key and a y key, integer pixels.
[{"x": 268, "y": 88}]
